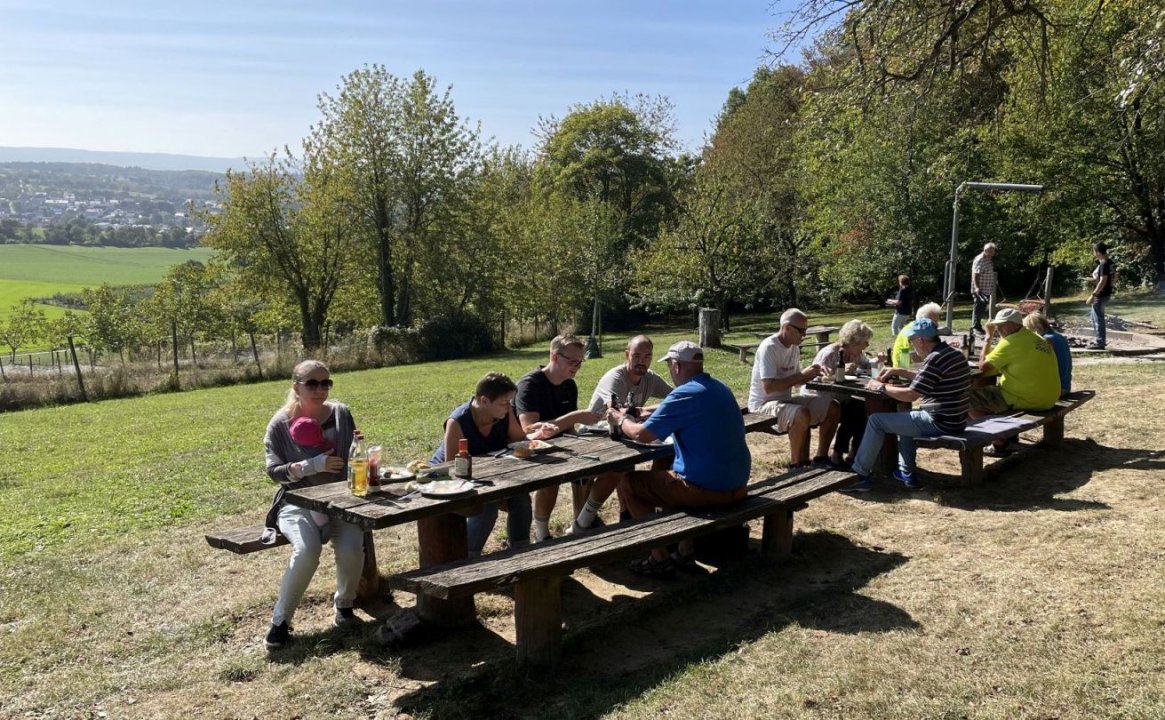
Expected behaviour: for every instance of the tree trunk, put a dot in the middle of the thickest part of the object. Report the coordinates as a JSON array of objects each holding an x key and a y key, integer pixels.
[
  {"x": 709, "y": 330},
  {"x": 174, "y": 344},
  {"x": 384, "y": 270},
  {"x": 255, "y": 353}
]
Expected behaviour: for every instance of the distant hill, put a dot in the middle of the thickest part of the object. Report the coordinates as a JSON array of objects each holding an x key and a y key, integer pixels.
[{"x": 148, "y": 161}]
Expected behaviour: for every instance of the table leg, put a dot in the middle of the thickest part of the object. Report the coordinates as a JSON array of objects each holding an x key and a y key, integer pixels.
[
  {"x": 442, "y": 539},
  {"x": 888, "y": 458}
]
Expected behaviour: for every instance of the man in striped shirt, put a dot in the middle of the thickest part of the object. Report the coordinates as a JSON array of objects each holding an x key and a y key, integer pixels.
[{"x": 941, "y": 384}]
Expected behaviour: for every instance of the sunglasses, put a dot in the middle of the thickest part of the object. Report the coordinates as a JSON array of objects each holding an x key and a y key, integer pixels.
[
  {"x": 800, "y": 330},
  {"x": 317, "y": 384}
]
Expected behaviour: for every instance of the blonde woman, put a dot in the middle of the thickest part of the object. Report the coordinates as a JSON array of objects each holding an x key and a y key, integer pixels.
[
  {"x": 292, "y": 465},
  {"x": 849, "y": 353}
]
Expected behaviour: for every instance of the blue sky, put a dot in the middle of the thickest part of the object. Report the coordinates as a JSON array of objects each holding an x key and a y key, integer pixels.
[{"x": 241, "y": 78}]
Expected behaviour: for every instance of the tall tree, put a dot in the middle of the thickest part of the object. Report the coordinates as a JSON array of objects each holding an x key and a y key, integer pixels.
[
  {"x": 289, "y": 234},
  {"x": 408, "y": 157},
  {"x": 613, "y": 152}
]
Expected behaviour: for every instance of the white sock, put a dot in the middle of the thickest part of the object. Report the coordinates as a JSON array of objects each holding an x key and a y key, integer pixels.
[
  {"x": 541, "y": 528},
  {"x": 586, "y": 516}
]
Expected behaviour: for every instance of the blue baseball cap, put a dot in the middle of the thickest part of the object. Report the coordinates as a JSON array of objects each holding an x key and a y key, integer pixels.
[{"x": 922, "y": 328}]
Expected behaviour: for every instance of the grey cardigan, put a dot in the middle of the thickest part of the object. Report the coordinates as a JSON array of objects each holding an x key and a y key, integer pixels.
[{"x": 282, "y": 451}]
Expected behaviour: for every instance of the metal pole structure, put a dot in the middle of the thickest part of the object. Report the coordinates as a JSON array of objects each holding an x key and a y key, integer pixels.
[{"x": 949, "y": 282}]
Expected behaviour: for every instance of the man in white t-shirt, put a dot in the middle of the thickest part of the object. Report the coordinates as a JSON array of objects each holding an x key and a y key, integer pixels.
[
  {"x": 775, "y": 372},
  {"x": 634, "y": 377}
]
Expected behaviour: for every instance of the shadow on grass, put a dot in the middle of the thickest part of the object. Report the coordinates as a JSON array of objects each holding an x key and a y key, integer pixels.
[
  {"x": 1032, "y": 479},
  {"x": 616, "y": 649}
]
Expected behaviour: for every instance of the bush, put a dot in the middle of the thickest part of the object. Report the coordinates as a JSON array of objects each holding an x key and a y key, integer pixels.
[
  {"x": 456, "y": 335},
  {"x": 395, "y": 345}
]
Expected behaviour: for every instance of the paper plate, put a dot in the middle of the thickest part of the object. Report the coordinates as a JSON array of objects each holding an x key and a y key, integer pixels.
[{"x": 447, "y": 488}]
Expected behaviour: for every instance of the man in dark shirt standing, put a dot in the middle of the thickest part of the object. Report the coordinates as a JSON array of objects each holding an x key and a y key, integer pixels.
[
  {"x": 1103, "y": 276},
  {"x": 942, "y": 384},
  {"x": 903, "y": 304},
  {"x": 547, "y": 404}
]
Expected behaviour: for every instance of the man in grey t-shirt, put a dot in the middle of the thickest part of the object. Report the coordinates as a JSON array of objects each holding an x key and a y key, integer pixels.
[{"x": 634, "y": 377}]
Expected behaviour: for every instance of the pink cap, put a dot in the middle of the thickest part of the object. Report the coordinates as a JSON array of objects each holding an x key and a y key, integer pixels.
[{"x": 306, "y": 432}]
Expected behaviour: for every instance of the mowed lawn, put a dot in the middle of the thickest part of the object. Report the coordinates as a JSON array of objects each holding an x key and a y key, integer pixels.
[
  {"x": 42, "y": 270},
  {"x": 1036, "y": 595}
]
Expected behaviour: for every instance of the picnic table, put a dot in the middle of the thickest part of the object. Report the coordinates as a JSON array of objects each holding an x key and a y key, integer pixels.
[
  {"x": 820, "y": 332},
  {"x": 441, "y": 526},
  {"x": 877, "y": 402}
]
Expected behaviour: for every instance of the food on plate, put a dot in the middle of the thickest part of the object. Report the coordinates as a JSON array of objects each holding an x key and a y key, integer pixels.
[
  {"x": 417, "y": 466},
  {"x": 523, "y": 449}
]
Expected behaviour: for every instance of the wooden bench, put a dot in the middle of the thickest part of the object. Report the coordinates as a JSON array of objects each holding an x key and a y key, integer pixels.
[
  {"x": 972, "y": 441},
  {"x": 537, "y": 571},
  {"x": 245, "y": 540}
]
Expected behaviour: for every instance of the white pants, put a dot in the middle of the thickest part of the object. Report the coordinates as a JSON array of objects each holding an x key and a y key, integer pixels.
[{"x": 307, "y": 541}]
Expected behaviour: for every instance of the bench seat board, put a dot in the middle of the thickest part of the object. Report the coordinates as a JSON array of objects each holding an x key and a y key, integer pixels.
[
  {"x": 244, "y": 540},
  {"x": 1031, "y": 420},
  {"x": 564, "y": 555}
]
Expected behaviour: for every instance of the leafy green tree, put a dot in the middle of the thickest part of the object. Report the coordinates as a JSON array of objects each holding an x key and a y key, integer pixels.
[
  {"x": 112, "y": 324},
  {"x": 407, "y": 158},
  {"x": 611, "y": 158},
  {"x": 289, "y": 234},
  {"x": 25, "y": 326}
]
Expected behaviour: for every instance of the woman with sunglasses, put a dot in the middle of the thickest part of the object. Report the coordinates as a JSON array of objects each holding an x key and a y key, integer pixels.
[{"x": 294, "y": 466}]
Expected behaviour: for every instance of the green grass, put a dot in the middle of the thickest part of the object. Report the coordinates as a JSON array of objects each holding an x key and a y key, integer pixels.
[{"x": 42, "y": 270}]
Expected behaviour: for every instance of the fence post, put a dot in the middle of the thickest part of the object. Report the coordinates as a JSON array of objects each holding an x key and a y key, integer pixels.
[{"x": 77, "y": 367}]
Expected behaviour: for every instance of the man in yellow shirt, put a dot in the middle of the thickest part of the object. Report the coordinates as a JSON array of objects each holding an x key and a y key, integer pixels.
[
  {"x": 901, "y": 354},
  {"x": 1026, "y": 363}
]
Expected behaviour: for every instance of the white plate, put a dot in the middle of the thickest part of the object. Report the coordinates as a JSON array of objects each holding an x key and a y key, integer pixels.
[
  {"x": 596, "y": 429},
  {"x": 447, "y": 488},
  {"x": 395, "y": 474},
  {"x": 538, "y": 446}
]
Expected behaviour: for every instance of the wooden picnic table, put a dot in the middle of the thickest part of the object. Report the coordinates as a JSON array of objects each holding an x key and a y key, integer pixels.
[
  {"x": 441, "y": 525},
  {"x": 820, "y": 332},
  {"x": 876, "y": 402}
]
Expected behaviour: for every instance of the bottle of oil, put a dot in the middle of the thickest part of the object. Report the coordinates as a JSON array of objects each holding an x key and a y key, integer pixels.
[
  {"x": 358, "y": 467},
  {"x": 463, "y": 461},
  {"x": 613, "y": 427}
]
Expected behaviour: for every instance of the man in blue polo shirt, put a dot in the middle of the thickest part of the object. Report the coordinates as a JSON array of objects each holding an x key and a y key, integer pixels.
[{"x": 712, "y": 459}]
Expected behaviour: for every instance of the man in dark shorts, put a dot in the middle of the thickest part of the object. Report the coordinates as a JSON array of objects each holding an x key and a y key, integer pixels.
[{"x": 712, "y": 459}]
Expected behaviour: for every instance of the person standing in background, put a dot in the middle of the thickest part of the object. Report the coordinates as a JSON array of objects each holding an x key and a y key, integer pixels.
[
  {"x": 984, "y": 282},
  {"x": 1103, "y": 276},
  {"x": 903, "y": 304}
]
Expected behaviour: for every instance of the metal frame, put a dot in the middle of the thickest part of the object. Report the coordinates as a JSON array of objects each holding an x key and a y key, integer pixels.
[{"x": 949, "y": 275}]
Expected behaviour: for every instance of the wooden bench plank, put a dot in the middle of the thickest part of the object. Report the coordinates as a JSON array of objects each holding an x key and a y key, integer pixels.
[
  {"x": 564, "y": 555},
  {"x": 971, "y": 443},
  {"x": 242, "y": 541}
]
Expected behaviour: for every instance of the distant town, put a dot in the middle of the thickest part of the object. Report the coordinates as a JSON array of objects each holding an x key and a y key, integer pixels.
[{"x": 93, "y": 204}]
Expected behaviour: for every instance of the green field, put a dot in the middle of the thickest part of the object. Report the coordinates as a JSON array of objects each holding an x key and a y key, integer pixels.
[{"x": 42, "y": 270}]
